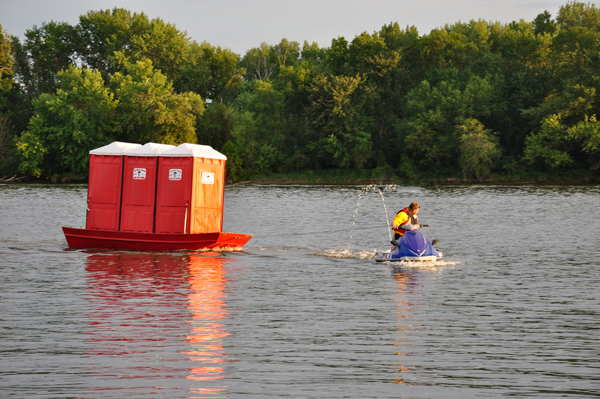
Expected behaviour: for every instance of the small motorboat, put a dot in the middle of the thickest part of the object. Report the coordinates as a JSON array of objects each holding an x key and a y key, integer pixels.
[{"x": 412, "y": 246}]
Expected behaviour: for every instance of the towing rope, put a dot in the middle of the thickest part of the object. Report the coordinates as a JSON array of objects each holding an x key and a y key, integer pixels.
[{"x": 321, "y": 232}]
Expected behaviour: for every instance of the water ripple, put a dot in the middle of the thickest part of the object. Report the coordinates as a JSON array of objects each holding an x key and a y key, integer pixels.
[{"x": 513, "y": 309}]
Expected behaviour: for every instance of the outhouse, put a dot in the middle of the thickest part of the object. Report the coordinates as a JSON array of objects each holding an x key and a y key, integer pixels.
[
  {"x": 190, "y": 190},
  {"x": 105, "y": 183},
  {"x": 139, "y": 187}
]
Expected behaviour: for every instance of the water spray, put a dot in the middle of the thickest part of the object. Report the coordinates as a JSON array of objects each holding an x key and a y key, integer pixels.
[{"x": 373, "y": 187}]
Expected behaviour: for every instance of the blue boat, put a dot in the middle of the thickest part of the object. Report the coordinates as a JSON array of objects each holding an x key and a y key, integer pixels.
[{"x": 412, "y": 246}]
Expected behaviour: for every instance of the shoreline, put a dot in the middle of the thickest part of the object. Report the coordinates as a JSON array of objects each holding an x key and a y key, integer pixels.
[
  {"x": 426, "y": 182},
  {"x": 423, "y": 182}
]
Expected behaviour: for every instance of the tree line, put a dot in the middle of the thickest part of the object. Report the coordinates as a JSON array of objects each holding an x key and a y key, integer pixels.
[{"x": 471, "y": 99}]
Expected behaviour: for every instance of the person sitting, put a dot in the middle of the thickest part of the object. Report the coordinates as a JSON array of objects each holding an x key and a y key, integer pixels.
[{"x": 406, "y": 219}]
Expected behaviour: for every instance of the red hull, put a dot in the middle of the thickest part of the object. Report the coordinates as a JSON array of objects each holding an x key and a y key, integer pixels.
[{"x": 84, "y": 238}]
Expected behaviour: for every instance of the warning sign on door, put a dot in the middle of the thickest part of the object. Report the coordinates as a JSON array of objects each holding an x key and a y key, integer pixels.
[
  {"x": 175, "y": 174},
  {"x": 208, "y": 178},
  {"x": 139, "y": 174}
]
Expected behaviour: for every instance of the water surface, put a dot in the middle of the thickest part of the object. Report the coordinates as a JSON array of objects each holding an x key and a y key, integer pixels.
[{"x": 512, "y": 311}]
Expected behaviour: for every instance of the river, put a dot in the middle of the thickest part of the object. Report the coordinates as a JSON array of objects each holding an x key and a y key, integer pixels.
[{"x": 512, "y": 311}]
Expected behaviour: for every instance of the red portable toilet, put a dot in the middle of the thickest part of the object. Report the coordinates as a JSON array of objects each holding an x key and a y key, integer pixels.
[
  {"x": 104, "y": 191},
  {"x": 139, "y": 187},
  {"x": 191, "y": 186}
]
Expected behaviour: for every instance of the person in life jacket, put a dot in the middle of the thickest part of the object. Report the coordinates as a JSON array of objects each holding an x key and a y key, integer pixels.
[{"x": 406, "y": 219}]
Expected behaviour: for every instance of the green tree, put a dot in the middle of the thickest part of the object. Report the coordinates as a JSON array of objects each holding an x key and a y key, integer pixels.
[
  {"x": 479, "y": 149},
  {"x": 398, "y": 39},
  {"x": 340, "y": 127},
  {"x": 5, "y": 138},
  {"x": 6, "y": 67},
  {"x": 336, "y": 59},
  {"x": 544, "y": 23},
  {"x": 67, "y": 125},
  {"x": 576, "y": 14},
  {"x": 557, "y": 144},
  {"x": 233, "y": 166},
  {"x": 212, "y": 72},
  {"x": 429, "y": 133},
  {"x": 110, "y": 40},
  {"x": 294, "y": 83},
  {"x": 578, "y": 39},
  {"x": 101, "y": 34},
  {"x": 445, "y": 49},
  {"x": 45, "y": 52},
  {"x": 259, "y": 62},
  {"x": 6, "y": 82},
  {"x": 363, "y": 52},
  {"x": 214, "y": 126},
  {"x": 157, "y": 41},
  {"x": 548, "y": 144},
  {"x": 266, "y": 105},
  {"x": 264, "y": 62},
  {"x": 383, "y": 74},
  {"x": 313, "y": 54},
  {"x": 149, "y": 110},
  {"x": 573, "y": 104},
  {"x": 564, "y": 122},
  {"x": 528, "y": 74},
  {"x": 242, "y": 144},
  {"x": 15, "y": 108}
]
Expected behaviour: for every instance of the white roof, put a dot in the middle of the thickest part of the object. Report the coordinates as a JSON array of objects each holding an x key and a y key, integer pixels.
[
  {"x": 149, "y": 150},
  {"x": 115, "y": 148},
  {"x": 193, "y": 150}
]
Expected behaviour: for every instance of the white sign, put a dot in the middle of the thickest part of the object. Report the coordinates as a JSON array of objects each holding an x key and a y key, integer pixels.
[
  {"x": 208, "y": 178},
  {"x": 175, "y": 174},
  {"x": 139, "y": 174}
]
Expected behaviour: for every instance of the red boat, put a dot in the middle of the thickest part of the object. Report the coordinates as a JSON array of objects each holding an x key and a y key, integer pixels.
[
  {"x": 84, "y": 238},
  {"x": 155, "y": 197}
]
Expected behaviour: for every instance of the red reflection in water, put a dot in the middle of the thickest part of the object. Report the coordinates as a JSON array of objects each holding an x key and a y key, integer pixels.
[
  {"x": 151, "y": 316},
  {"x": 207, "y": 306}
]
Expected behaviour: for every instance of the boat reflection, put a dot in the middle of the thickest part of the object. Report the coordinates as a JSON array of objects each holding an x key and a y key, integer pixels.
[
  {"x": 207, "y": 307},
  {"x": 156, "y": 323},
  {"x": 409, "y": 283}
]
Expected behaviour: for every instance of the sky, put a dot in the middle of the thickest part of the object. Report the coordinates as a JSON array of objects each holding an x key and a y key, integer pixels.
[{"x": 243, "y": 24}]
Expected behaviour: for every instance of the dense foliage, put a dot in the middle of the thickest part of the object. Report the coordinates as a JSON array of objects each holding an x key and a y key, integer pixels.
[{"x": 474, "y": 99}]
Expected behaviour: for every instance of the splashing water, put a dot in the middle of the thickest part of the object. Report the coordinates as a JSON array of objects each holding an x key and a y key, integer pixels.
[
  {"x": 344, "y": 254},
  {"x": 358, "y": 254},
  {"x": 425, "y": 264},
  {"x": 366, "y": 189},
  {"x": 386, "y": 215}
]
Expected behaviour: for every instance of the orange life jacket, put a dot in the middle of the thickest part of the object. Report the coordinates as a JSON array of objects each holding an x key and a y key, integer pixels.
[{"x": 412, "y": 219}]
